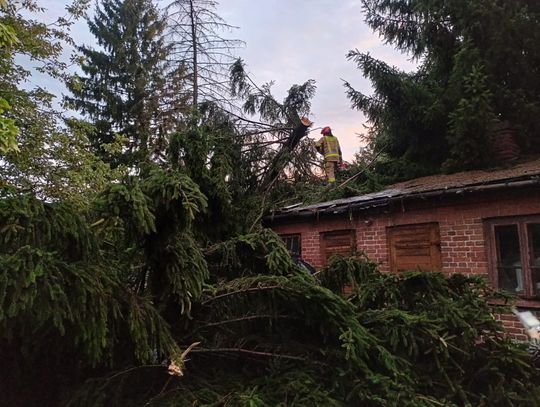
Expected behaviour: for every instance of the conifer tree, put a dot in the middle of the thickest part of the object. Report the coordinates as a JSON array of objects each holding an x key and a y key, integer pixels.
[
  {"x": 125, "y": 79},
  {"x": 478, "y": 66},
  {"x": 98, "y": 306}
]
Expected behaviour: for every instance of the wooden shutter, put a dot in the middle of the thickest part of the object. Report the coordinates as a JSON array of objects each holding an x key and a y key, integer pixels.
[
  {"x": 340, "y": 242},
  {"x": 415, "y": 246}
]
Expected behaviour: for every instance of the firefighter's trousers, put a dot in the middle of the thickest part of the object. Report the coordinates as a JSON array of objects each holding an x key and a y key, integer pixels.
[{"x": 330, "y": 167}]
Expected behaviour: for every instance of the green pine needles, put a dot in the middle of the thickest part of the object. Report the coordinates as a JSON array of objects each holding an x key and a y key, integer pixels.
[
  {"x": 477, "y": 70},
  {"x": 95, "y": 305},
  {"x": 155, "y": 285}
]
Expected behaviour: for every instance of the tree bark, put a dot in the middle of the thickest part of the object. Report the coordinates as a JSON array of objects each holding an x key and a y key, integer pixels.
[
  {"x": 195, "y": 50},
  {"x": 281, "y": 159}
]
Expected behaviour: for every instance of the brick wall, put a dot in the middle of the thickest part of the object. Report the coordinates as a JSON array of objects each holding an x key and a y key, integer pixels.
[
  {"x": 463, "y": 246},
  {"x": 461, "y": 224},
  {"x": 513, "y": 326}
]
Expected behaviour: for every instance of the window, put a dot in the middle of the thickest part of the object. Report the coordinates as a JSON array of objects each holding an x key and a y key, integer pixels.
[
  {"x": 340, "y": 242},
  {"x": 415, "y": 246},
  {"x": 514, "y": 255},
  {"x": 292, "y": 243}
]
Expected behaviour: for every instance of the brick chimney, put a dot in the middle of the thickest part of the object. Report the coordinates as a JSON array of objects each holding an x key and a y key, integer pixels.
[{"x": 505, "y": 147}]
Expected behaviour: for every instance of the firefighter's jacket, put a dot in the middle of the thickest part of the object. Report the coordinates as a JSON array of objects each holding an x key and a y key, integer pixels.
[{"x": 328, "y": 146}]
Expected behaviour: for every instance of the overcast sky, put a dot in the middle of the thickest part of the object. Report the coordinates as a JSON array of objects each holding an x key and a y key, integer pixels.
[{"x": 291, "y": 41}]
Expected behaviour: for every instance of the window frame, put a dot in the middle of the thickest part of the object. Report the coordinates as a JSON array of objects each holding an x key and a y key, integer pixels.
[
  {"x": 522, "y": 223},
  {"x": 292, "y": 236}
]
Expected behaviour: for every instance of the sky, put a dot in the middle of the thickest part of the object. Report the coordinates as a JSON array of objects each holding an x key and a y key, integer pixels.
[{"x": 291, "y": 41}]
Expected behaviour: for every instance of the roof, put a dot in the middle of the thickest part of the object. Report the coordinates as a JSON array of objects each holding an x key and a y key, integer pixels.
[{"x": 520, "y": 175}]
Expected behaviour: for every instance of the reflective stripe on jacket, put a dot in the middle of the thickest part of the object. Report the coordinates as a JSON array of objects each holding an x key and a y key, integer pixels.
[{"x": 331, "y": 148}]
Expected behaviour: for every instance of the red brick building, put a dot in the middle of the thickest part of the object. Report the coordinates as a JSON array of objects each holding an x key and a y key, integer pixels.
[{"x": 481, "y": 222}]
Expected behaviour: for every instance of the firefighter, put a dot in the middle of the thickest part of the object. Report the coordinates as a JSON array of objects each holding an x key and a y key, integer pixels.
[{"x": 328, "y": 146}]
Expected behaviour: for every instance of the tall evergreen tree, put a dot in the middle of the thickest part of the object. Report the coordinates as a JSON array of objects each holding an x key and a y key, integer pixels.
[
  {"x": 125, "y": 79},
  {"x": 97, "y": 305},
  {"x": 479, "y": 66}
]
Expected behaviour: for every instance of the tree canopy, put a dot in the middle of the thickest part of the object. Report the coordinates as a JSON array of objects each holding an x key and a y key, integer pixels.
[
  {"x": 478, "y": 68},
  {"x": 40, "y": 153},
  {"x": 123, "y": 86},
  {"x": 155, "y": 283}
]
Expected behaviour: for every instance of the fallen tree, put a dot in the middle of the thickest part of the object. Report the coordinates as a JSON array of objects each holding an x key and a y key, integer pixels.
[{"x": 98, "y": 308}]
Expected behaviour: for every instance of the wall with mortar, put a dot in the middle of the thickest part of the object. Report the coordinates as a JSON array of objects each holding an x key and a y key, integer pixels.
[{"x": 461, "y": 222}]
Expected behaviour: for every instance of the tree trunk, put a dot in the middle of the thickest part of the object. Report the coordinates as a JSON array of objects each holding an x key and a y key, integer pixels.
[
  {"x": 281, "y": 159},
  {"x": 195, "y": 50}
]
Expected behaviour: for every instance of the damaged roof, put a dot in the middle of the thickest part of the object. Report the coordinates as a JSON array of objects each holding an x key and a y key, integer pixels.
[{"x": 523, "y": 174}]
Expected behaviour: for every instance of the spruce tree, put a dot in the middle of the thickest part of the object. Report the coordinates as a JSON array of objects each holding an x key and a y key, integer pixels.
[
  {"x": 478, "y": 67},
  {"x": 124, "y": 79},
  {"x": 98, "y": 305}
]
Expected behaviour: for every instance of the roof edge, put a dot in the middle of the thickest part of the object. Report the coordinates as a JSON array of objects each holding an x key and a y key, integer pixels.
[{"x": 385, "y": 201}]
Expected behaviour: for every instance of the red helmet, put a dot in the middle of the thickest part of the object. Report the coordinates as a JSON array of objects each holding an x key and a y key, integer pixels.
[{"x": 326, "y": 131}]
